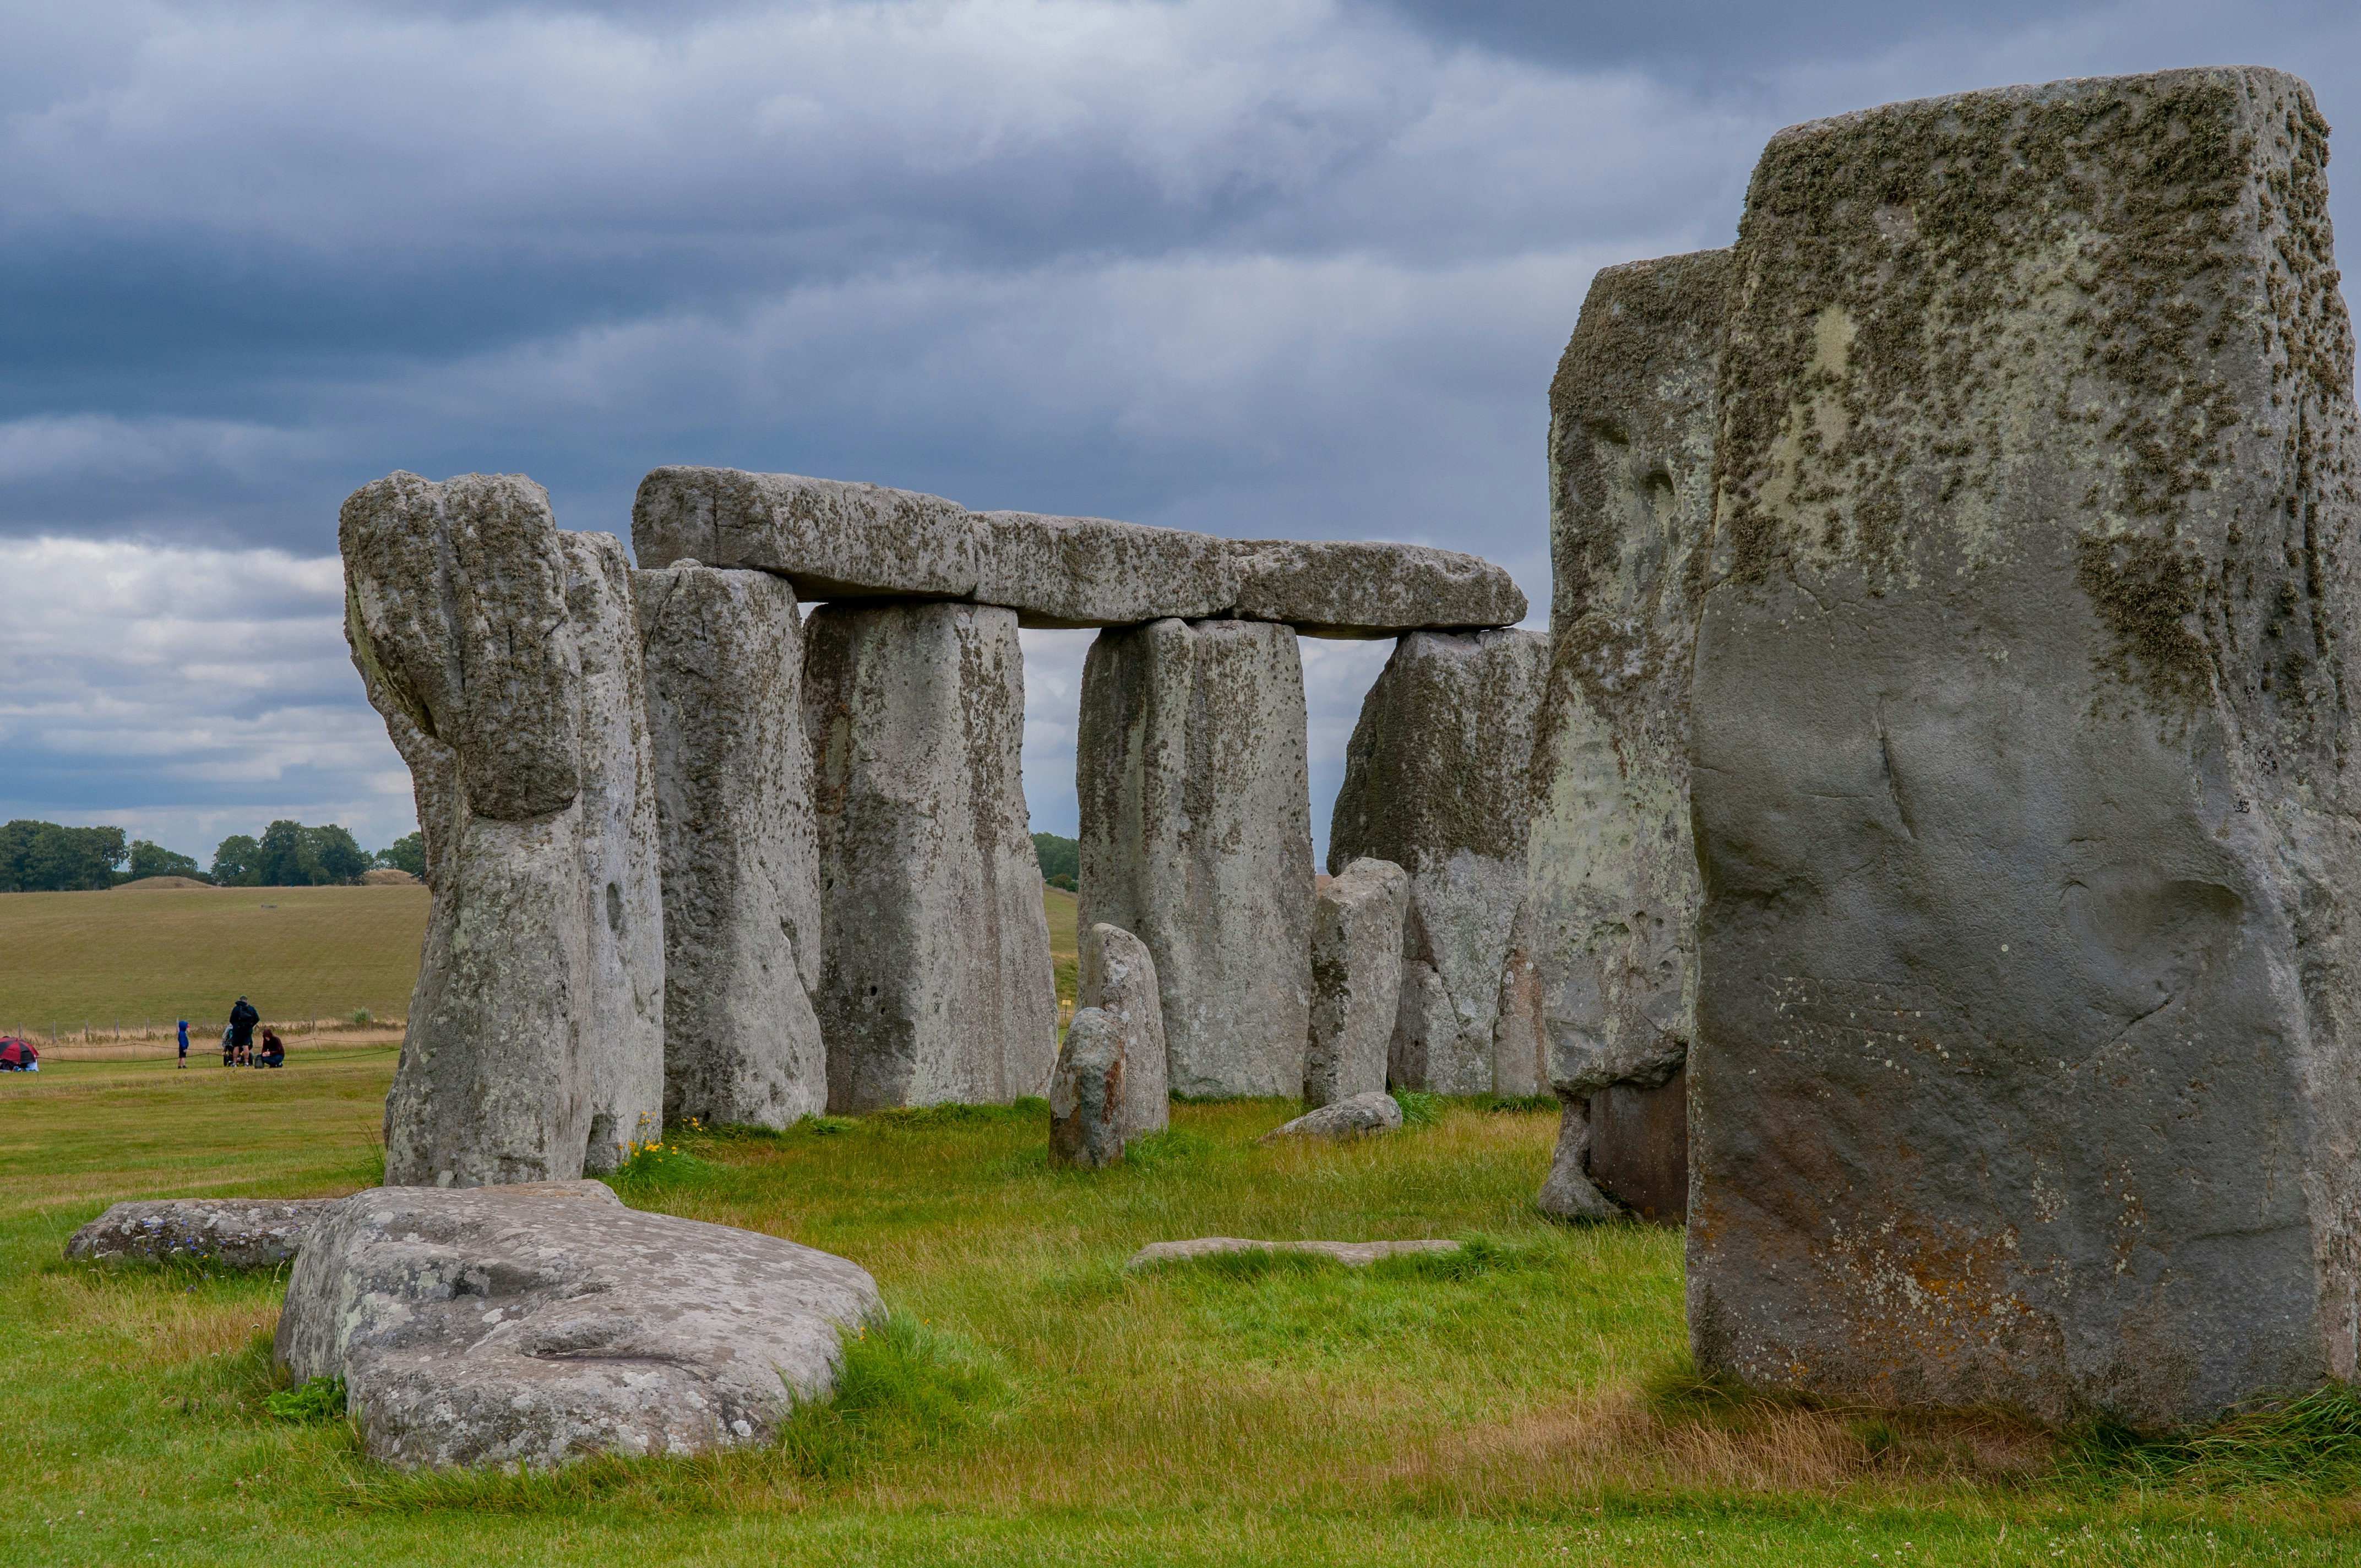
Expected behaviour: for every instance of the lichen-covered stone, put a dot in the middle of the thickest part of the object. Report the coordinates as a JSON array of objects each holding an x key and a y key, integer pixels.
[
  {"x": 1608, "y": 930},
  {"x": 1436, "y": 781},
  {"x": 526, "y": 1327},
  {"x": 1086, "y": 1092},
  {"x": 742, "y": 921},
  {"x": 1344, "y": 589},
  {"x": 1196, "y": 837},
  {"x": 227, "y": 1233},
  {"x": 936, "y": 982},
  {"x": 534, "y": 1041},
  {"x": 839, "y": 542},
  {"x": 2025, "y": 1070},
  {"x": 1357, "y": 976},
  {"x": 1117, "y": 976},
  {"x": 1374, "y": 1112}
]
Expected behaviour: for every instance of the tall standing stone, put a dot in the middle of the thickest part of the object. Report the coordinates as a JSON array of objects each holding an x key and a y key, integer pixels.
[
  {"x": 1117, "y": 976},
  {"x": 504, "y": 653},
  {"x": 935, "y": 977},
  {"x": 1196, "y": 834},
  {"x": 1608, "y": 931},
  {"x": 2027, "y": 1069},
  {"x": 741, "y": 890},
  {"x": 1356, "y": 972},
  {"x": 1436, "y": 781}
]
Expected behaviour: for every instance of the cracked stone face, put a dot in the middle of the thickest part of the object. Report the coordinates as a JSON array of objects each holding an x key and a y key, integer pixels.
[{"x": 2026, "y": 1069}]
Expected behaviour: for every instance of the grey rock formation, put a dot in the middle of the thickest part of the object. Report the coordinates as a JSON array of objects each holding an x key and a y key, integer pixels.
[
  {"x": 1196, "y": 836},
  {"x": 1352, "y": 1118},
  {"x": 1337, "y": 588},
  {"x": 1086, "y": 1092},
  {"x": 2025, "y": 1070},
  {"x": 1118, "y": 977},
  {"x": 1356, "y": 972},
  {"x": 505, "y": 657},
  {"x": 936, "y": 982},
  {"x": 742, "y": 918},
  {"x": 843, "y": 542},
  {"x": 530, "y": 1326},
  {"x": 1436, "y": 781},
  {"x": 227, "y": 1233},
  {"x": 1352, "y": 1254},
  {"x": 1607, "y": 945}
]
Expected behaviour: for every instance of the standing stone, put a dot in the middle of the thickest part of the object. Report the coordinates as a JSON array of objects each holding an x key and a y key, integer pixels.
[
  {"x": 1086, "y": 1093},
  {"x": 2026, "y": 1071},
  {"x": 1436, "y": 781},
  {"x": 935, "y": 977},
  {"x": 1357, "y": 971},
  {"x": 534, "y": 1042},
  {"x": 741, "y": 891},
  {"x": 1120, "y": 979},
  {"x": 1196, "y": 834},
  {"x": 1608, "y": 931}
]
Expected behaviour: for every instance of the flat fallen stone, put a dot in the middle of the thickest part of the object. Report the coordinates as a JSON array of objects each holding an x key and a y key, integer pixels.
[
  {"x": 1376, "y": 1112},
  {"x": 839, "y": 540},
  {"x": 527, "y": 1326},
  {"x": 1353, "y": 1254},
  {"x": 229, "y": 1232}
]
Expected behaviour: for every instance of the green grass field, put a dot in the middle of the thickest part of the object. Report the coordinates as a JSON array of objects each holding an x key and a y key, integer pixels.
[{"x": 1529, "y": 1402}]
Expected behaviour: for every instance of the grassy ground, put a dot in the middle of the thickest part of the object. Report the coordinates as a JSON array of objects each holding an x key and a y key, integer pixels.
[{"x": 1034, "y": 1403}]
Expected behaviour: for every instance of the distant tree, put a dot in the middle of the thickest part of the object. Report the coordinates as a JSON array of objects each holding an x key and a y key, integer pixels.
[
  {"x": 407, "y": 853},
  {"x": 1059, "y": 857},
  {"x": 42, "y": 857},
  {"x": 153, "y": 859},
  {"x": 291, "y": 855},
  {"x": 237, "y": 862},
  {"x": 334, "y": 851}
]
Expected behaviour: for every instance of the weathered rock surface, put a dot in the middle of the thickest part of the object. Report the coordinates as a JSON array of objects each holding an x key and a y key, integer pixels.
[
  {"x": 936, "y": 982},
  {"x": 228, "y": 1233},
  {"x": 1640, "y": 1147},
  {"x": 1363, "y": 1113},
  {"x": 2025, "y": 1069},
  {"x": 742, "y": 918},
  {"x": 1353, "y": 1254},
  {"x": 1118, "y": 977},
  {"x": 505, "y": 656},
  {"x": 528, "y": 1326},
  {"x": 1338, "y": 589},
  {"x": 1356, "y": 972},
  {"x": 1608, "y": 931},
  {"x": 1436, "y": 781},
  {"x": 1086, "y": 1092},
  {"x": 840, "y": 541},
  {"x": 1196, "y": 836}
]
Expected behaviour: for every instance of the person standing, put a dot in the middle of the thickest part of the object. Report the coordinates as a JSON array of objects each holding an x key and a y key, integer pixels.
[
  {"x": 184, "y": 1042},
  {"x": 242, "y": 1020}
]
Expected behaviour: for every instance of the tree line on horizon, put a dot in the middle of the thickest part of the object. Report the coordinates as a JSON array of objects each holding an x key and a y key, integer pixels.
[{"x": 46, "y": 857}]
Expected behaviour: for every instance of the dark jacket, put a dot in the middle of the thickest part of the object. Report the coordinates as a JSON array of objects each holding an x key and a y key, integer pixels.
[{"x": 242, "y": 1020}]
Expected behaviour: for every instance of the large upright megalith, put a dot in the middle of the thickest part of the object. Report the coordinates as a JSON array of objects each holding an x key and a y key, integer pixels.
[
  {"x": 935, "y": 977},
  {"x": 2025, "y": 1070},
  {"x": 1608, "y": 930},
  {"x": 1196, "y": 834},
  {"x": 534, "y": 1044},
  {"x": 1436, "y": 781},
  {"x": 741, "y": 890}
]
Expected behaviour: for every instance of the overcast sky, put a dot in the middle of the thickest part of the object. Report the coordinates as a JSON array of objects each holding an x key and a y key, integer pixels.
[{"x": 1257, "y": 267}]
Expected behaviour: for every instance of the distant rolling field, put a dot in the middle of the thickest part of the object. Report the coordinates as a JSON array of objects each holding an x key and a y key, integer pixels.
[{"x": 138, "y": 955}]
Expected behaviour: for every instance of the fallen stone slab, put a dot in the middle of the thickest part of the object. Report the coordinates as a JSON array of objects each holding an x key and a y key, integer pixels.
[
  {"x": 1607, "y": 939},
  {"x": 530, "y": 1325},
  {"x": 1356, "y": 972},
  {"x": 1118, "y": 977},
  {"x": 1352, "y": 1254},
  {"x": 741, "y": 918},
  {"x": 229, "y": 1232},
  {"x": 1376, "y": 1111},
  {"x": 837, "y": 541},
  {"x": 1086, "y": 1093},
  {"x": 2025, "y": 751}
]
